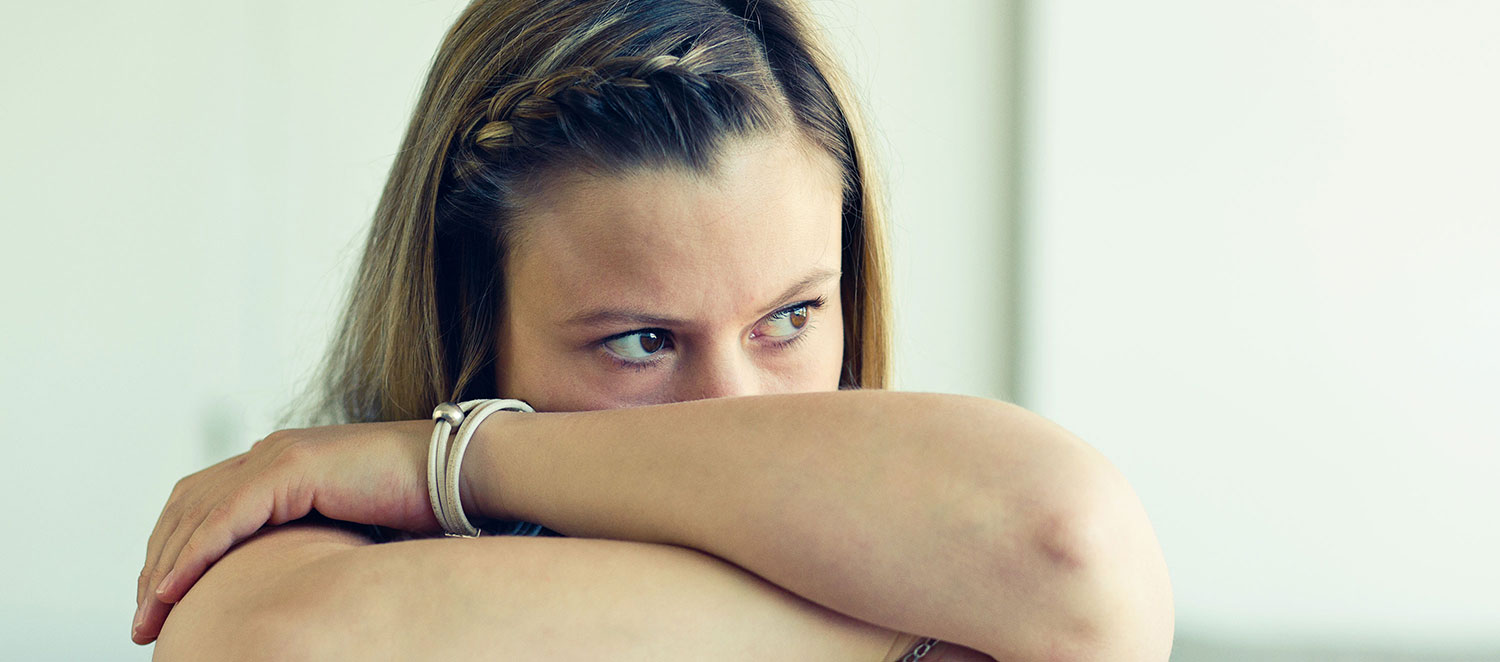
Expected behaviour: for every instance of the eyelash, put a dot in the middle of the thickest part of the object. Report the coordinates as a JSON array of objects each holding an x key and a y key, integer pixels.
[{"x": 780, "y": 345}]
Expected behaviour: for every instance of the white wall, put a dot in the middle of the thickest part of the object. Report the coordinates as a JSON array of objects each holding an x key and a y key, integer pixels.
[
  {"x": 938, "y": 81},
  {"x": 1261, "y": 276},
  {"x": 183, "y": 190}
]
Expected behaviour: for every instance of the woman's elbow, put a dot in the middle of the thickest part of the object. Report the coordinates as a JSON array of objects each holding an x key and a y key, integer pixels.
[
  {"x": 213, "y": 633},
  {"x": 1099, "y": 546},
  {"x": 1078, "y": 572},
  {"x": 288, "y": 619}
]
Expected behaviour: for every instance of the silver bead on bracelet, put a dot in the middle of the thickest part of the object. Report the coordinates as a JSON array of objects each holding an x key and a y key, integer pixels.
[{"x": 444, "y": 458}]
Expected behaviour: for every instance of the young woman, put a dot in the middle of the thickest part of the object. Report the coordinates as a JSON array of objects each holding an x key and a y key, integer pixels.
[{"x": 624, "y": 212}]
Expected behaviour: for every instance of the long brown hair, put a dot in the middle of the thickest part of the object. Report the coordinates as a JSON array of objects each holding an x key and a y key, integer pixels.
[{"x": 521, "y": 89}]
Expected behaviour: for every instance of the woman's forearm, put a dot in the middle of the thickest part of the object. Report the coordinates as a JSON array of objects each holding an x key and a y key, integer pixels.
[
  {"x": 302, "y": 593},
  {"x": 960, "y": 518}
]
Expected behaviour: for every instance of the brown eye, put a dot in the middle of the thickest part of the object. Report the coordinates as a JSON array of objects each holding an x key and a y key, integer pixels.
[
  {"x": 651, "y": 342},
  {"x": 798, "y": 317},
  {"x": 638, "y": 345},
  {"x": 785, "y": 323}
]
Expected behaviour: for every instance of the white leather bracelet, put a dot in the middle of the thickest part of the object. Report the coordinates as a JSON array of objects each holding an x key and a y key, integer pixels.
[{"x": 444, "y": 459}]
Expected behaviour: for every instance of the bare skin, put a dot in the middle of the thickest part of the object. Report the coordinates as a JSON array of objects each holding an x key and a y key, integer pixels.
[
  {"x": 700, "y": 262},
  {"x": 628, "y": 294}
]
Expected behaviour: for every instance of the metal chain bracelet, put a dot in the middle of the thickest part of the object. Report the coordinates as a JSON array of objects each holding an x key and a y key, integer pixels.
[{"x": 920, "y": 651}]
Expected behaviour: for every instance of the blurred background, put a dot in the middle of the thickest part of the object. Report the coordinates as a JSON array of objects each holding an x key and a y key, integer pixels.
[{"x": 1246, "y": 249}]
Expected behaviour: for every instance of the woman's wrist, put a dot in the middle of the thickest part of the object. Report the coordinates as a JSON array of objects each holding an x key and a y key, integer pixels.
[{"x": 497, "y": 464}]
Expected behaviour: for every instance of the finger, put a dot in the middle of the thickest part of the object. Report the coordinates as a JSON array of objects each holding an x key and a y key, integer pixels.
[
  {"x": 153, "y": 616},
  {"x": 168, "y": 542},
  {"x": 171, "y": 547},
  {"x": 247, "y": 510},
  {"x": 166, "y": 522},
  {"x": 140, "y": 583},
  {"x": 233, "y": 520}
]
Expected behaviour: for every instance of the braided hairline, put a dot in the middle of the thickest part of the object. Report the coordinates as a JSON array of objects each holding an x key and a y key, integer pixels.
[{"x": 534, "y": 99}]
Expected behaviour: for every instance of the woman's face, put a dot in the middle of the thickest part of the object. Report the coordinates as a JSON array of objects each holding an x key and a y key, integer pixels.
[{"x": 666, "y": 285}]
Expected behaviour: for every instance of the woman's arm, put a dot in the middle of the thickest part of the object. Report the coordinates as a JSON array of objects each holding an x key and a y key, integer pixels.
[
  {"x": 310, "y": 592},
  {"x": 965, "y": 519}
]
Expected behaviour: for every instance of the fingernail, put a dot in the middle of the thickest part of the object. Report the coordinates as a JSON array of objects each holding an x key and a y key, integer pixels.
[
  {"x": 162, "y": 587},
  {"x": 135, "y": 624}
]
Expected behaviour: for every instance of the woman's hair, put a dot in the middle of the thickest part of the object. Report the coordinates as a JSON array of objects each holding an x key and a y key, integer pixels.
[{"x": 521, "y": 90}]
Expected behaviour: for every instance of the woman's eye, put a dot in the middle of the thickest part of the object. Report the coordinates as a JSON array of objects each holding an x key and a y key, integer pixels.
[
  {"x": 784, "y": 323},
  {"x": 637, "y": 345}
]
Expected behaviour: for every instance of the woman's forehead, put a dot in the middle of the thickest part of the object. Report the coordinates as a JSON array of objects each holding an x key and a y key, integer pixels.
[{"x": 678, "y": 244}]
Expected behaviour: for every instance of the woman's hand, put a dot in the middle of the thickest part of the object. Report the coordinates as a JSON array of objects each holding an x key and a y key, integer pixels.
[{"x": 371, "y": 473}]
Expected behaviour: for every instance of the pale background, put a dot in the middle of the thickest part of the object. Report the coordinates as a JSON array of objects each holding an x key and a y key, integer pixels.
[{"x": 1245, "y": 248}]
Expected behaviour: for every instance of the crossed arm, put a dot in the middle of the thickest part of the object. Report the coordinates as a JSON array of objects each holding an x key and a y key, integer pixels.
[
  {"x": 332, "y": 596},
  {"x": 813, "y": 526}
]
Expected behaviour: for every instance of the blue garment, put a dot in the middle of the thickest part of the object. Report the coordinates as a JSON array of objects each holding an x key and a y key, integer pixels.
[
  {"x": 520, "y": 528},
  {"x": 497, "y": 528}
]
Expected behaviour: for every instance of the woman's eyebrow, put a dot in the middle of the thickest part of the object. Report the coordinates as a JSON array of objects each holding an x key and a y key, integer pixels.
[
  {"x": 817, "y": 277},
  {"x": 603, "y": 316}
]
